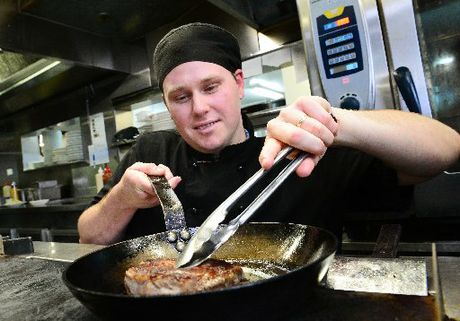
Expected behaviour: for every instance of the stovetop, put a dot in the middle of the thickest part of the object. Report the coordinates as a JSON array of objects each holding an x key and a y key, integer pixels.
[
  {"x": 324, "y": 303},
  {"x": 32, "y": 289},
  {"x": 331, "y": 305}
]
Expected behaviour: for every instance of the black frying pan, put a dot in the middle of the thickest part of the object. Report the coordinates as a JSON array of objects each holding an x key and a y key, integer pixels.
[{"x": 283, "y": 261}]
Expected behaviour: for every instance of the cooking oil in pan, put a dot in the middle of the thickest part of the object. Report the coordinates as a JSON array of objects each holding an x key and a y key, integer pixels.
[{"x": 259, "y": 270}]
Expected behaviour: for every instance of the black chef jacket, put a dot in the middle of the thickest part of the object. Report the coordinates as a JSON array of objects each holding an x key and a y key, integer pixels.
[{"x": 342, "y": 178}]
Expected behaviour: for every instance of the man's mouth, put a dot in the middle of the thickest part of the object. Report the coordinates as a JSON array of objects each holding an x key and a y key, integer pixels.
[{"x": 205, "y": 126}]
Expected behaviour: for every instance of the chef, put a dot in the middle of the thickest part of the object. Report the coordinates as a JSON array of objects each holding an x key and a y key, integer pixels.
[{"x": 214, "y": 150}]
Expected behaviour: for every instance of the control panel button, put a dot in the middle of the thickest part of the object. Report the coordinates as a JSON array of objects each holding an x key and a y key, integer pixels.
[{"x": 350, "y": 103}]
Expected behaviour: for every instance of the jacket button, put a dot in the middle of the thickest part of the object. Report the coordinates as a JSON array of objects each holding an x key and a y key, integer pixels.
[
  {"x": 193, "y": 210},
  {"x": 240, "y": 167},
  {"x": 194, "y": 164}
]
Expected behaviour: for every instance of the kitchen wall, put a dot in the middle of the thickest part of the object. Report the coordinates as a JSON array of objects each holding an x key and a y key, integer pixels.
[
  {"x": 101, "y": 95},
  {"x": 9, "y": 166},
  {"x": 85, "y": 101},
  {"x": 117, "y": 111}
]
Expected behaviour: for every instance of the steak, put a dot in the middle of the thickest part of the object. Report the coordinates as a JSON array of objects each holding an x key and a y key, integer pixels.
[{"x": 161, "y": 277}]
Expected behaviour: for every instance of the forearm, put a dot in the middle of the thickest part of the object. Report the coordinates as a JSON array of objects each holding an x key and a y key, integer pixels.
[
  {"x": 414, "y": 145},
  {"x": 105, "y": 222}
]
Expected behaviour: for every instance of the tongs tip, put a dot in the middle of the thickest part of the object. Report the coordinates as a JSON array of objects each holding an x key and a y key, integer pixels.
[{"x": 211, "y": 235}]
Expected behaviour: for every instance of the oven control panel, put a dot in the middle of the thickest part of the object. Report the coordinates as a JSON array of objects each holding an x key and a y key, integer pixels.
[
  {"x": 339, "y": 42},
  {"x": 342, "y": 52}
]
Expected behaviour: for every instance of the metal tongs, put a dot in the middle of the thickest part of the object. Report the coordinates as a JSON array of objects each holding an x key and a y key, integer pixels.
[{"x": 211, "y": 234}]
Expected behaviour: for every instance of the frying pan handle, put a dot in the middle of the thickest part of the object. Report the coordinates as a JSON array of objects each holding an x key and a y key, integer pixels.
[
  {"x": 387, "y": 241},
  {"x": 172, "y": 210}
]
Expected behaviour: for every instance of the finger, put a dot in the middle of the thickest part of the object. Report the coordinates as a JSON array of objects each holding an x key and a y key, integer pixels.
[
  {"x": 293, "y": 136},
  {"x": 306, "y": 167},
  {"x": 319, "y": 109},
  {"x": 135, "y": 190},
  {"x": 270, "y": 149},
  {"x": 136, "y": 180},
  {"x": 174, "y": 181},
  {"x": 163, "y": 170},
  {"x": 312, "y": 125},
  {"x": 143, "y": 167},
  {"x": 330, "y": 121},
  {"x": 152, "y": 169}
]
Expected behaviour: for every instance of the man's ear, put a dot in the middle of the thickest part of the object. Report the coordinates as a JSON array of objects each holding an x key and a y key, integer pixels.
[{"x": 239, "y": 77}]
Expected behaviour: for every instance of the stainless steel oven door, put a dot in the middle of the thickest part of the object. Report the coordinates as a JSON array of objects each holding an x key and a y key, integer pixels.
[{"x": 410, "y": 42}]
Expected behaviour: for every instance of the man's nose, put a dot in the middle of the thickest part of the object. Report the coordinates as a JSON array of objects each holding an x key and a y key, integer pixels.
[{"x": 200, "y": 103}]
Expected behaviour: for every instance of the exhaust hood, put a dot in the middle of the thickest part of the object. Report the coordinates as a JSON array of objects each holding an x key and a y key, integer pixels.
[
  {"x": 26, "y": 80},
  {"x": 11, "y": 62},
  {"x": 51, "y": 47},
  {"x": 18, "y": 72}
]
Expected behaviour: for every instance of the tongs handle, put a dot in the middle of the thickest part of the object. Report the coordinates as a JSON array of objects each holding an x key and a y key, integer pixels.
[{"x": 271, "y": 187}]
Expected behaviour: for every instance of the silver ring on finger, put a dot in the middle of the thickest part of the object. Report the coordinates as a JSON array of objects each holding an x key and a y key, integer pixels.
[{"x": 301, "y": 120}]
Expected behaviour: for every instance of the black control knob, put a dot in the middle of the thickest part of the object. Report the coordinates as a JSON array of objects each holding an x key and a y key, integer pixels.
[{"x": 350, "y": 103}]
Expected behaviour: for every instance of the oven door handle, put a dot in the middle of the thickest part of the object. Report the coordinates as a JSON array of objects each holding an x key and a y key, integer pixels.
[{"x": 406, "y": 86}]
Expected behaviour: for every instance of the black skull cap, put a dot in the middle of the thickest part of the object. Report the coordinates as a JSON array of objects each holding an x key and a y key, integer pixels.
[{"x": 195, "y": 41}]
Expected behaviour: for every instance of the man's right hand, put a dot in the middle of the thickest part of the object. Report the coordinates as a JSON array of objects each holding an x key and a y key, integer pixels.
[
  {"x": 106, "y": 221},
  {"x": 135, "y": 190}
]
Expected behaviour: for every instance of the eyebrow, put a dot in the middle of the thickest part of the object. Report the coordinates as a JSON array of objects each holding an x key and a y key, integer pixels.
[
  {"x": 175, "y": 89},
  {"x": 202, "y": 81}
]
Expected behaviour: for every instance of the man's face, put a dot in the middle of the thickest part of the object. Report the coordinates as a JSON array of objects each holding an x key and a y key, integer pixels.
[{"x": 204, "y": 102}]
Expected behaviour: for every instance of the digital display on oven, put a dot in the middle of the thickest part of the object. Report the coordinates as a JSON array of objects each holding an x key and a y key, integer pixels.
[
  {"x": 337, "y": 23},
  {"x": 340, "y": 42},
  {"x": 342, "y": 68}
]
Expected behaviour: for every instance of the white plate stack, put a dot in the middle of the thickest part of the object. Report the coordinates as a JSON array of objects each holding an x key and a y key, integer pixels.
[
  {"x": 74, "y": 145},
  {"x": 155, "y": 121}
]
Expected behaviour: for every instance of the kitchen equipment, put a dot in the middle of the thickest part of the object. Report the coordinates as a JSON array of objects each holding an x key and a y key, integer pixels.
[
  {"x": 285, "y": 261},
  {"x": 16, "y": 245},
  {"x": 98, "y": 178},
  {"x": 49, "y": 190},
  {"x": 383, "y": 54},
  {"x": 39, "y": 202},
  {"x": 354, "y": 48},
  {"x": 30, "y": 194},
  {"x": 383, "y": 271},
  {"x": 13, "y": 203},
  {"x": 32, "y": 289},
  {"x": 211, "y": 235},
  {"x": 400, "y": 54},
  {"x": 125, "y": 135},
  {"x": 406, "y": 275}
]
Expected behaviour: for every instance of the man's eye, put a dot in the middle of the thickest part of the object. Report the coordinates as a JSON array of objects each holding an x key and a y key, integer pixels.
[
  {"x": 181, "y": 98},
  {"x": 211, "y": 88}
]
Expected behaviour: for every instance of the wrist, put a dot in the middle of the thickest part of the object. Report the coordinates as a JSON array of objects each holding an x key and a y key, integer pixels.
[{"x": 345, "y": 119}]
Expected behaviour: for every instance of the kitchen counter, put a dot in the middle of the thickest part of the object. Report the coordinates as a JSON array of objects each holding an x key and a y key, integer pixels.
[
  {"x": 58, "y": 218},
  {"x": 32, "y": 288},
  {"x": 66, "y": 205}
]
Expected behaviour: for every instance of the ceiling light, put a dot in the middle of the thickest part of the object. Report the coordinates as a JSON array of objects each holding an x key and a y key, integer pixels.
[
  {"x": 446, "y": 60},
  {"x": 266, "y": 43}
]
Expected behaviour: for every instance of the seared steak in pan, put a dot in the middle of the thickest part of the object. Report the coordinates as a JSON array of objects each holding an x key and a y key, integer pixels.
[{"x": 161, "y": 277}]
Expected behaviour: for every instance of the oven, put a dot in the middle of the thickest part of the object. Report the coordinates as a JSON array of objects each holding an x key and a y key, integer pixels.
[
  {"x": 401, "y": 54},
  {"x": 368, "y": 54}
]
